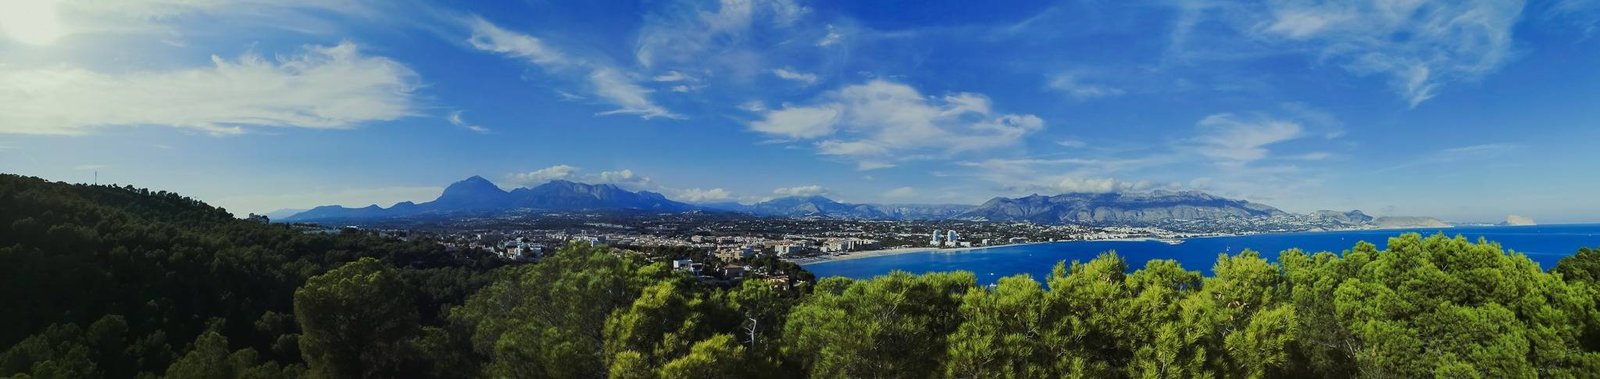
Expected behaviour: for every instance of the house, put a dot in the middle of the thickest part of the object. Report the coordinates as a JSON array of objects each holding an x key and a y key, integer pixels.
[
  {"x": 259, "y": 218},
  {"x": 733, "y": 271},
  {"x": 735, "y": 253}
]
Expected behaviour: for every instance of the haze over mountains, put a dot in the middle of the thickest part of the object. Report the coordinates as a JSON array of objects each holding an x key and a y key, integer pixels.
[
  {"x": 477, "y": 195},
  {"x": 1117, "y": 208}
]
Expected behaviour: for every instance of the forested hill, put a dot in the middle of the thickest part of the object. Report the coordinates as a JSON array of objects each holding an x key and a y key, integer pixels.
[
  {"x": 118, "y": 282},
  {"x": 115, "y": 282}
]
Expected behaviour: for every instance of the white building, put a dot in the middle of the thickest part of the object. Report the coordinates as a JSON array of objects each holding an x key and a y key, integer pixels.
[
  {"x": 794, "y": 248},
  {"x": 848, "y": 244},
  {"x": 734, "y": 253},
  {"x": 935, "y": 242}
]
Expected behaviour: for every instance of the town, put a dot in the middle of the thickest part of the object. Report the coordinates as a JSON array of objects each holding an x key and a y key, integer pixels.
[{"x": 724, "y": 247}]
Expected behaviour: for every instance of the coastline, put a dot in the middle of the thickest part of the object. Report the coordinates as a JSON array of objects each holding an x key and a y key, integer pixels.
[{"x": 909, "y": 250}]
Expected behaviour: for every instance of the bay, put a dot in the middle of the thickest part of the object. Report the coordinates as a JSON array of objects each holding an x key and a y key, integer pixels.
[{"x": 1544, "y": 244}]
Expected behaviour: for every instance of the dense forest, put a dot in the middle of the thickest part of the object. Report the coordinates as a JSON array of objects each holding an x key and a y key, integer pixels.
[{"x": 106, "y": 281}]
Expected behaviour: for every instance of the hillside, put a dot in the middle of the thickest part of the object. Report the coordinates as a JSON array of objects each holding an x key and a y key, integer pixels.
[
  {"x": 1404, "y": 222},
  {"x": 1117, "y": 208},
  {"x": 108, "y": 281}
]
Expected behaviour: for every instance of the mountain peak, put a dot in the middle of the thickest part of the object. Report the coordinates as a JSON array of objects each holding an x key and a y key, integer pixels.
[
  {"x": 474, "y": 192},
  {"x": 476, "y": 183}
]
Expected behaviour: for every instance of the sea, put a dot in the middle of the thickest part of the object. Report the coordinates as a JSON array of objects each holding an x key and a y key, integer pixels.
[{"x": 1545, "y": 244}]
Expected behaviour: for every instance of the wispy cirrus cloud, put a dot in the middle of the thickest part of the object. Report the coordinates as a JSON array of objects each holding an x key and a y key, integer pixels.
[
  {"x": 1468, "y": 153},
  {"x": 455, "y": 119},
  {"x": 322, "y": 87},
  {"x": 684, "y": 32},
  {"x": 1231, "y": 139},
  {"x": 1074, "y": 84},
  {"x": 1582, "y": 14},
  {"x": 611, "y": 84},
  {"x": 1419, "y": 46},
  {"x": 801, "y": 77}
]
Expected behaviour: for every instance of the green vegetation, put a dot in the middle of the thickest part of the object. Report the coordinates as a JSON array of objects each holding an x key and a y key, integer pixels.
[{"x": 101, "y": 281}]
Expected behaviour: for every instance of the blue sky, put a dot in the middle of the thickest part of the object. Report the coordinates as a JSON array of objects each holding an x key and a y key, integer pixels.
[{"x": 1466, "y": 110}]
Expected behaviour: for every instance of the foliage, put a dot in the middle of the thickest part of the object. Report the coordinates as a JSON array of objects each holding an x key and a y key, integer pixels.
[
  {"x": 102, "y": 281},
  {"x": 355, "y": 321},
  {"x": 152, "y": 269}
]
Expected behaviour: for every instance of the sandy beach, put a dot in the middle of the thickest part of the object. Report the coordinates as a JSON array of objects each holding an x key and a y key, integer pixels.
[{"x": 903, "y": 250}]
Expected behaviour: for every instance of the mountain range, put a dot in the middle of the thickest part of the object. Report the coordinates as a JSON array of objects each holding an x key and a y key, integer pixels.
[
  {"x": 479, "y": 195},
  {"x": 823, "y": 207},
  {"x": 1117, "y": 208}
]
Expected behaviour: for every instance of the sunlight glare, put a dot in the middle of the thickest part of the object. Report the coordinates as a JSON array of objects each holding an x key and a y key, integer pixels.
[{"x": 33, "y": 22}]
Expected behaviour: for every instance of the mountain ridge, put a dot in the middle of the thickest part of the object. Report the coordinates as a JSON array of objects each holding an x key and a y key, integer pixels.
[
  {"x": 476, "y": 194},
  {"x": 1116, "y": 208}
]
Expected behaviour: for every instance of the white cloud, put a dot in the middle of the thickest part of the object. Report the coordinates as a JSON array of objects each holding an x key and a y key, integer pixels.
[
  {"x": 323, "y": 87},
  {"x": 557, "y": 172},
  {"x": 1314, "y": 156},
  {"x": 800, "y": 122},
  {"x": 1581, "y": 14},
  {"x": 809, "y": 190},
  {"x": 833, "y": 37},
  {"x": 789, "y": 74},
  {"x": 901, "y": 193},
  {"x": 1072, "y": 143},
  {"x": 672, "y": 76},
  {"x": 157, "y": 19},
  {"x": 606, "y": 82},
  {"x": 753, "y": 106},
  {"x": 629, "y": 97},
  {"x": 624, "y": 176},
  {"x": 1097, "y": 185},
  {"x": 872, "y": 165},
  {"x": 1419, "y": 45},
  {"x": 1233, "y": 140},
  {"x": 489, "y": 37},
  {"x": 697, "y": 195},
  {"x": 1072, "y": 84},
  {"x": 455, "y": 119},
  {"x": 880, "y": 122}
]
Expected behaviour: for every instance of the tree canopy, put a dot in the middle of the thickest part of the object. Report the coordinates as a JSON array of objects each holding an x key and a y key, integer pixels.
[{"x": 104, "y": 281}]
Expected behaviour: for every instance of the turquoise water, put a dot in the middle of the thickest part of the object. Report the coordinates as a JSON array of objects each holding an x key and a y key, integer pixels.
[{"x": 1545, "y": 244}]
